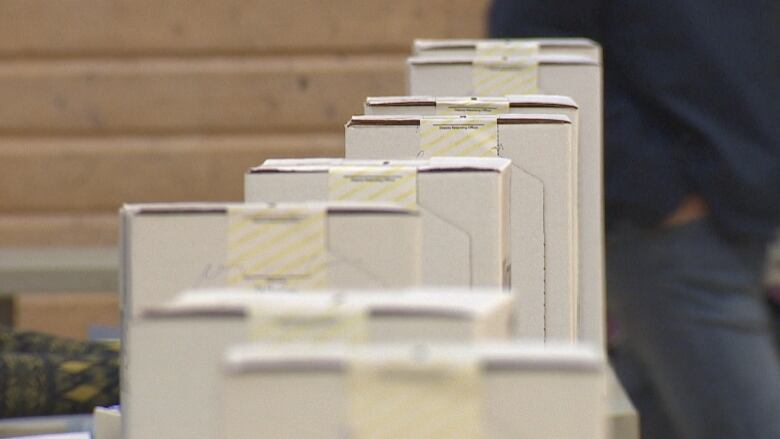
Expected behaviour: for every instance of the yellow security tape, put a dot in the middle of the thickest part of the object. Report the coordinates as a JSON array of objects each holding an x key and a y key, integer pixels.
[
  {"x": 396, "y": 184},
  {"x": 507, "y": 48},
  {"x": 415, "y": 399},
  {"x": 472, "y": 106},
  {"x": 275, "y": 324},
  {"x": 505, "y": 76},
  {"x": 277, "y": 247},
  {"x": 461, "y": 136}
]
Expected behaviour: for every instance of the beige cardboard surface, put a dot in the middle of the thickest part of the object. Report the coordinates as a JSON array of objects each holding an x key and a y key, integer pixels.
[
  {"x": 520, "y": 392},
  {"x": 64, "y": 314},
  {"x": 623, "y": 417},
  {"x": 431, "y": 105},
  {"x": 173, "y": 355},
  {"x": 470, "y": 105},
  {"x": 579, "y": 77},
  {"x": 107, "y": 424},
  {"x": 468, "y": 47},
  {"x": 540, "y": 147},
  {"x": 167, "y": 248},
  {"x": 520, "y": 104},
  {"x": 463, "y": 203}
]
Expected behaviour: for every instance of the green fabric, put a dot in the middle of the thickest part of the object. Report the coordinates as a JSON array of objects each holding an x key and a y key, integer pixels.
[{"x": 45, "y": 375}]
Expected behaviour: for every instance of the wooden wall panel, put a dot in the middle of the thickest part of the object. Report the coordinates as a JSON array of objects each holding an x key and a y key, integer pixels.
[
  {"x": 191, "y": 95},
  {"x": 113, "y": 101},
  {"x": 92, "y": 174},
  {"x": 81, "y": 229},
  {"x": 65, "y": 314},
  {"x": 120, "y": 27}
]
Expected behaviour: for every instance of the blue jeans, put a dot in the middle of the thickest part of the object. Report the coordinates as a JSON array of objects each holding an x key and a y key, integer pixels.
[{"x": 697, "y": 354}]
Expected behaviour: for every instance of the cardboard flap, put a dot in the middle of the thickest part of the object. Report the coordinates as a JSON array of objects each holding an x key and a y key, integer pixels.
[
  {"x": 383, "y": 120},
  {"x": 528, "y": 271},
  {"x": 294, "y": 165},
  {"x": 172, "y": 208},
  {"x": 542, "y": 59},
  {"x": 503, "y": 119},
  {"x": 458, "y": 304},
  {"x": 447, "y": 252},
  {"x": 371, "y": 259},
  {"x": 341, "y": 266},
  {"x": 400, "y": 100},
  {"x": 433, "y": 164},
  {"x": 208, "y": 208},
  {"x": 505, "y": 357},
  {"x": 514, "y": 119},
  {"x": 433, "y": 44},
  {"x": 541, "y": 101}
]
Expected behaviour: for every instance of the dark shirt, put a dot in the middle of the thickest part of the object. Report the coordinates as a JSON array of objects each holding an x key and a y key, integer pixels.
[{"x": 692, "y": 101}]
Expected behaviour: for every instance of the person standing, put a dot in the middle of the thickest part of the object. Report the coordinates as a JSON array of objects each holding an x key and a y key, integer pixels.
[{"x": 692, "y": 170}]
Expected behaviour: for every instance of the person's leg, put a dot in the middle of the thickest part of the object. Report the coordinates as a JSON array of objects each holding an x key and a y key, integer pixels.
[
  {"x": 691, "y": 310},
  {"x": 655, "y": 421},
  {"x": 773, "y": 302}
]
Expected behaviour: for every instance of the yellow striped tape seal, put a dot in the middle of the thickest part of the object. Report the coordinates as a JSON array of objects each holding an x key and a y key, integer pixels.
[
  {"x": 471, "y": 106},
  {"x": 415, "y": 399},
  {"x": 505, "y": 76},
  {"x": 272, "y": 247},
  {"x": 280, "y": 325},
  {"x": 507, "y": 48},
  {"x": 460, "y": 136},
  {"x": 396, "y": 184}
]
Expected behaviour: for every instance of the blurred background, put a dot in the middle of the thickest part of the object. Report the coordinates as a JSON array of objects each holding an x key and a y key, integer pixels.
[{"x": 113, "y": 101}]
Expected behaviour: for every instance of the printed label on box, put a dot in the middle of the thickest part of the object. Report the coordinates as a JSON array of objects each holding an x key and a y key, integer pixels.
[
  {"x": 458, "y": 136},
  {"x": 471, "y": 107},
  {"x": 396, "y": 184},
  {"x": 507, "y": 48},
  {"x": 415, "y": 399},
  {"x": 274, "y": 324},
  {"x": 505, "y": 76},
  {"x": 277, "y": 248}
]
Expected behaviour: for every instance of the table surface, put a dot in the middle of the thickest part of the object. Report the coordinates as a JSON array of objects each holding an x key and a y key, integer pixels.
[{"x": 83, "y": 269}]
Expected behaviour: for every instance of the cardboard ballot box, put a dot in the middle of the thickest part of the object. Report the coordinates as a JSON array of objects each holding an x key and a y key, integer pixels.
[
  {"x": 168, "y": 248},
  {"x": 491, "y": 391},
  {"x": 463, "y": 204},
  {"x": 508, "y": 47},
  {"x": 543, "y": 174},
  {"x": 589, "y": 314},
  {"x": 172, "y": 383},
  {"x": 577, "y": 76}
]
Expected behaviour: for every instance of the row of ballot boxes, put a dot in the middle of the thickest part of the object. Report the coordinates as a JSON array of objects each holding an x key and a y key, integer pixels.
[
  {"x": 464, "y": 222},
  {"x": 569, "y": 68},
  {"x": 217, "y": 364},
  {"x": 444, "y": 279}
]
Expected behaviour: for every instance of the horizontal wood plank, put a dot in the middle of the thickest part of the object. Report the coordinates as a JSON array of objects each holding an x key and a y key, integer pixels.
[
  {"x": 66, "y": 314},
  {"x": 174, "y": 95},
  {"x": 117, "y": 27},
  {"x": 82, "y": 229},
  {"x": 99, "y": 174}
]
